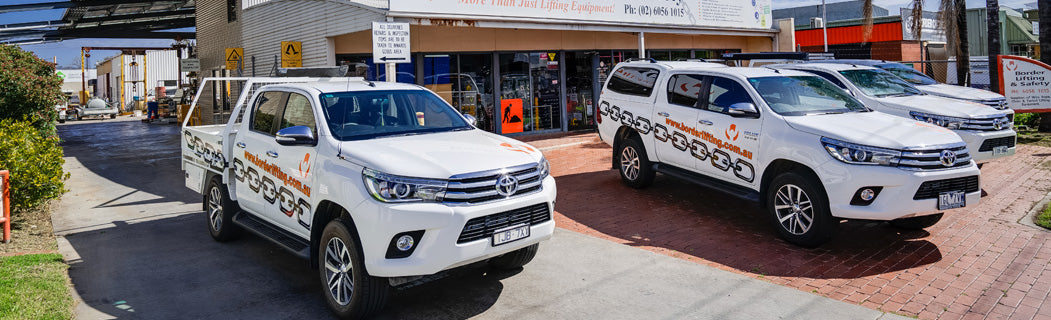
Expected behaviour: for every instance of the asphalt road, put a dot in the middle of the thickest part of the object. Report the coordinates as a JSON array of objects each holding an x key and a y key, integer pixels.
[{"x": 138, "y": 247}]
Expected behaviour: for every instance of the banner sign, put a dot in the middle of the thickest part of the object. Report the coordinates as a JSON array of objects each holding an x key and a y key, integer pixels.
[
  {"x": 929, "y": 29},
  {"x": 1026, "y": 83},
  {"x": 749, "y": 14}
]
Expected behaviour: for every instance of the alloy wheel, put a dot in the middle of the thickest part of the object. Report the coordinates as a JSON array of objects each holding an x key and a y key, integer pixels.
[
  {"x": 795, "y": 212},
  {"x": 629, "y": 163},
  {"x": 338, "y": 271},
  {"x": 215, "y": 208}
]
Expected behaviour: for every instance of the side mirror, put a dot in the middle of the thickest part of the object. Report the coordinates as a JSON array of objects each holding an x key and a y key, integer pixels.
[
  {"x": 743, "y": 110},
  {"x": 471, "y": 119},
  {"x": 297, "y": 135}
]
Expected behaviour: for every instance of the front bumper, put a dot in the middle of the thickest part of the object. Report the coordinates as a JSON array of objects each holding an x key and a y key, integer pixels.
[
  {"x": 976, "y": 139},
  {"x": 438, "y": 249},
  {"x": 895, "y": 200}
]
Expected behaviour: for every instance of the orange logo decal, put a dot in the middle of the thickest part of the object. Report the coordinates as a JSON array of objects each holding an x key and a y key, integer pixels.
[
  {"x": 519, "y": 148},
  {"x": 1011, "y": 66},
  {"x": 306, "y": 162},
  {"x": 732, "y": 130}
]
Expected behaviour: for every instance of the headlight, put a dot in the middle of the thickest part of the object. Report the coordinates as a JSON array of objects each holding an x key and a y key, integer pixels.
[
  {"x": 944, "y": 121},
  {"x": 390, "y": 188},
  {"x": 543, "y": 168},
  {"x": 860, "y": 154}
]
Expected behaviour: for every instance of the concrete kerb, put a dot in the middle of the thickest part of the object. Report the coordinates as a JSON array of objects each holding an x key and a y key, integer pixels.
[{"x": 1030, "y": 217}]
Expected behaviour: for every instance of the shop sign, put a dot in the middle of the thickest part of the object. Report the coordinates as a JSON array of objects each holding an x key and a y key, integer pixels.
[
  {"x": 234, "y": 58},
  {"x": 929, "y": 29},
  {"x": 511, "y": 120},
  {"x": 291, "y": 54},
  {"x": 753, "y": 14},
  {"x": 390, "y": 42},
  {"x": 1026, "y": 83}
]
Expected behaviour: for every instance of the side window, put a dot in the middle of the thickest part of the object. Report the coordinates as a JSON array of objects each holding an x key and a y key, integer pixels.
[
  {"x": 683, "y": 89},
  {"x": 725, "y": 92},
  {"x": 298, "y": 113},
  {"x": 828, "y": 77},
  {"x": 265, "y": 111},
  {"x": 633, "y": 81}
]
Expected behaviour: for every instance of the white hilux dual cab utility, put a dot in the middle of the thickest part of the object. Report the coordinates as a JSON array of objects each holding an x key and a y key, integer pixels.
[
  {"x": 986, "y": 130},
  {"x": 378, "y": 184},
  {"x": 806, "y": 150}
]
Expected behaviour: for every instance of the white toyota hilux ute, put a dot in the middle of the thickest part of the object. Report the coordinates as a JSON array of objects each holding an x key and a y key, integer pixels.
[
  {"x": 378, "y": 184},
  {"x": 807, "y": 151},
  {"x": 986, "y": 130}
]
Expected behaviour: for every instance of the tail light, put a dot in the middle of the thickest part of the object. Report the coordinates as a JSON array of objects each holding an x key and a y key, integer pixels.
[{"x": 598, "y": 116}]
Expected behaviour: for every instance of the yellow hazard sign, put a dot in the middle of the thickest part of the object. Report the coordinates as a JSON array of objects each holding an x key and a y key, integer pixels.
[
  {"x": 291, "y": 54},
  {"x": 235, "y": 58}
]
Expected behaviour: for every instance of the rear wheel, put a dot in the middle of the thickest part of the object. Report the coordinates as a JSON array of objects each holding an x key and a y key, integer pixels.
[
  {"x": 515, "y": 259},
  {"x": 220, "y": 211},
  {"x": 351, "y": 293},
  {"x": 635, "y": 168},
  {"x": 799, "y": 210},
  {"x": 917, "y": 223}
]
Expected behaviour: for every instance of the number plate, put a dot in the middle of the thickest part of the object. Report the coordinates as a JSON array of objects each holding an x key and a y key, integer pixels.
[
  {"x": 1000, "y": 150},
  {"x": 510, "y": 234},
  {"x": 951, "y": 200}
]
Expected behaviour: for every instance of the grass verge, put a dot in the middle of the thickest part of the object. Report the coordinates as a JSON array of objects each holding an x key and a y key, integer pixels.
[
  {"x": 1043, "y": 219},
  {"x": 35, "y": 287}
]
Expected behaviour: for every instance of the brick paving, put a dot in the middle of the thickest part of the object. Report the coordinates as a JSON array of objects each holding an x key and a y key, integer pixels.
[{"x": 977, "y": 263}]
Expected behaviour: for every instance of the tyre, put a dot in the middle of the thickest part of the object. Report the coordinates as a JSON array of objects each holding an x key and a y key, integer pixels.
[
  {"x": 798, "y": 209},
  {"x": 917, "y": 223},
  {"x": 515, "y": 259},
  {"x": 112, "y": 116},
  {"x": 351, "y": 293},
  {"x": 220, "y": 211},
  {"x": 636, "y": 171}
]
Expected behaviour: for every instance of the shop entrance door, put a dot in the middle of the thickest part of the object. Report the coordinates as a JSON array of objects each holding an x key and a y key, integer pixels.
[
  {"x": 530, "y": 92},
  {"x": 580, "y": 89}
]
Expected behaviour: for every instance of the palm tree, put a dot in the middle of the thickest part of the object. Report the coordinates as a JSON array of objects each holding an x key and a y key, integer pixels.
[
  {"x": 1044, "y": 9},
  {"x": 952, "y": 18},
  {"x": 992, "y": 9}
]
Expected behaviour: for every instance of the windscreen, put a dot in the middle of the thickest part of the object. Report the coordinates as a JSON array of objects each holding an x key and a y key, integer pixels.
[
  {"x": 908, "y": 74},
  {"x": 879, "y": 83},
  {"x": 804, "y": 95},
  {"x": 372, "y": 114}
]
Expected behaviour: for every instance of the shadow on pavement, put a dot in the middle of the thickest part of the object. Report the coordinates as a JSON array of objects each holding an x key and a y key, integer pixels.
[{"x": 695, "y": 221}]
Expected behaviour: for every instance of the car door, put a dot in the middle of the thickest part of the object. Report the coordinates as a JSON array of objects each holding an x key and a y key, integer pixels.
[
  {"x": 675, "y": 121},
  {"x": 731, "y": 141},
  {"x": 291, "y": 208},
  {"x": 253, "y": 164}
]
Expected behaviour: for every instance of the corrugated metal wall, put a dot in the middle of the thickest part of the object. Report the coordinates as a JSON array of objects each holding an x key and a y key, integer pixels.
[
  {"x": 308, "y": 21},
  {"x": 850, "y": 34}
]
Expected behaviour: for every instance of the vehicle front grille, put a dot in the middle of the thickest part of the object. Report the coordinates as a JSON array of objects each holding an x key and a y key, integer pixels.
[
  {"x": 931, "y": 189},
  {"x": 989, "y": 144},
  {"x": 999, "y": 104},
  {"x": 483, "y": 227},
  {"x": 481, "y": 187},
  {"x": 1003, "y": 122},
  {"x": 931, "y": 159}
]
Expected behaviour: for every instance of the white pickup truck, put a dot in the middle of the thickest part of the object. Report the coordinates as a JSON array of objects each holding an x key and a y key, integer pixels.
[
  {"x": 986, "y": 130},
  {"x": 377, "y": 184},
  {"x": 807, "y": 151}
]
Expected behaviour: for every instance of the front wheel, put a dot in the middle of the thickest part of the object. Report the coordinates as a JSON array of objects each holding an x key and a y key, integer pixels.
[
  {"x": 515, "y": 259},
  {"x": 635, "y": 168},
  {"x": 798, "y": 209},
  {"x": 917, "y": 223},
  {"x": 350, "y": 291},
  {"x": 220, "y": 211}
]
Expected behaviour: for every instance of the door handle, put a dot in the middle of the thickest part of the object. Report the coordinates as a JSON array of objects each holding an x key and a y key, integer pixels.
[
  {"x": 663, "y": 114},
  {"x": 271, "y": 154},
  {"x": 705, "y": 122},
  {"x": 240, "y": 144}
]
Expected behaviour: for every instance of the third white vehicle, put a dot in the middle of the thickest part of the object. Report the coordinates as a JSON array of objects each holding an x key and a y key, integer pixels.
[{"x": 808, "y": 152}]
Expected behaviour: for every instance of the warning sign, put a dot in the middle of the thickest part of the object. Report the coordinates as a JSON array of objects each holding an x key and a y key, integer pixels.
[
  {"x": 511, "y": 121},
  {"x": 390, "y": 42},
  {"x": 291, "y": 54},
  {"x": 235, "y": 58}
]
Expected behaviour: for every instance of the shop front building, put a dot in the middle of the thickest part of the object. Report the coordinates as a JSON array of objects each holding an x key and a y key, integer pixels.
[{"x": 519, "y": 67}]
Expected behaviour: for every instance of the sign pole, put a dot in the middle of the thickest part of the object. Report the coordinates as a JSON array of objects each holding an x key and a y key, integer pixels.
[{"x": 392, "y": 72}]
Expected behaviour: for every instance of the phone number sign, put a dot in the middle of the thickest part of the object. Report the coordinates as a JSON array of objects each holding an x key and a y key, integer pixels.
[{"x": 1026, "y": 83}]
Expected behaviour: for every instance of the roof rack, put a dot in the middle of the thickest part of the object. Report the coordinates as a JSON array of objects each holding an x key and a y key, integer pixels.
[
  {"x": 651, "y": 60},
  {"x": 691, "y": 59}
]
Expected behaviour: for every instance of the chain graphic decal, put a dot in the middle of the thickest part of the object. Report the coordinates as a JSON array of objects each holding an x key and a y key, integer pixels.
[
  {"x": 269, "y": 190},
  {"x": 284, "y": 195},
  {"x": 239, "y": 170},
  {"x": 719, "y": 155},
  {"x": 206, "y": 153},
  {"x": 254, "y": 182}
]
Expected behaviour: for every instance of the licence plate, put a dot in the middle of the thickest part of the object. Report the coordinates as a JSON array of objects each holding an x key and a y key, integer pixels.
[
  {"x": 951, "y": 200},
  {"x": 510, "y": 234},
  {"x": 1000, "y": 150}
]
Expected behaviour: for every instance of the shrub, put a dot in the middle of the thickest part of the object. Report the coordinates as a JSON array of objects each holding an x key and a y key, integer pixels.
[
  {"x": 1031, "y": 120},
  {"x": 29, "y": 88},
  {"x": 34, "y": 161}
]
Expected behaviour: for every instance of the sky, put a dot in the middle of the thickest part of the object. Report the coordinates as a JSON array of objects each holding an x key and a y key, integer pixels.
[{"x": 67, "y": 52}]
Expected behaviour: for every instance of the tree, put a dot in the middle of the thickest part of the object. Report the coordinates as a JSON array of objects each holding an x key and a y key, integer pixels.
[
  {"x": 992, "y": 9},
  {"x": 952, "y": 19},
  {"x": 29, "y": 88},
  {"x": 1044, "y": 9}
]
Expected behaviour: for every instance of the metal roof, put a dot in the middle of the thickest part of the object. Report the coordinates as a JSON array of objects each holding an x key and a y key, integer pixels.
[{"x": 103, "y": 19}]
